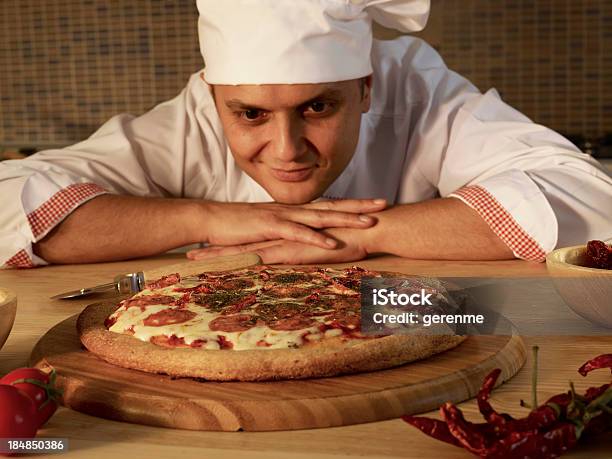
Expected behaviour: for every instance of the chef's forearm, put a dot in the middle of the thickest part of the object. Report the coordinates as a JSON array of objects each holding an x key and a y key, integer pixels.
[
  {"x": 112, "y": 227},
  {"x": 444, "y": 229}
]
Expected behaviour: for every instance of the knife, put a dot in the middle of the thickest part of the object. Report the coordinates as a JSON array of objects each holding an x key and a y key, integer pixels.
[
  {"x": 125, "y": 283},
  {"x": 136, "y": 281}
]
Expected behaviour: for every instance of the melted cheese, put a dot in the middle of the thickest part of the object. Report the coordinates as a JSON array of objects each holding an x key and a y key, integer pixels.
[{"x": 198, "y": 329}]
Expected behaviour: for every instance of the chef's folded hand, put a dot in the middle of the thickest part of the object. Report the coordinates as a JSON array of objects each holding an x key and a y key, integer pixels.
[
  {"x": 349, "y": 247},
  {"x": 236, "y": 224}
]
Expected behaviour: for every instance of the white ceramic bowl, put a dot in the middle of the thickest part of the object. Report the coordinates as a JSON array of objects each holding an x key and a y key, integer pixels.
[
  {"x": 8, "y": 309},
  {"x": 587, "y": 291}
]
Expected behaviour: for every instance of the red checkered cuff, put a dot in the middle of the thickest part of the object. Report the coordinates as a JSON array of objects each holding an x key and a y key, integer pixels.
[
  {"x": 501, "y": 222},
  {"x": 60, "y": 205},
  {"x": 49, "y": 214},
  {"x": 20, "y": 260}
]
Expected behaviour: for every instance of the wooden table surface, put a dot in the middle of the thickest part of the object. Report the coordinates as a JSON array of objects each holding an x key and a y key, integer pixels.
[{"x": 92, "y": 437}]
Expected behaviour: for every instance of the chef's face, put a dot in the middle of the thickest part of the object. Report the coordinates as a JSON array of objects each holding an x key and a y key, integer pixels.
[{"x": 294, "y": 140}]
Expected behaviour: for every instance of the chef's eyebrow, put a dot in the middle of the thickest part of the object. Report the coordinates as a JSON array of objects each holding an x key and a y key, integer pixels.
[{"x": 326, "y": 95}]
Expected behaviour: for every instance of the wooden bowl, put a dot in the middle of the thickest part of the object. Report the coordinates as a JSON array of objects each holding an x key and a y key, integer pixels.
[
  {"x": 587, "y": 291},
  {"x": 8, "y": 309}
]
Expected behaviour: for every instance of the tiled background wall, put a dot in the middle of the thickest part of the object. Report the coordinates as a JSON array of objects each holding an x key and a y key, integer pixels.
[
  {"x": 68, "y": 65},
  {"x": 552, "y": 59}
]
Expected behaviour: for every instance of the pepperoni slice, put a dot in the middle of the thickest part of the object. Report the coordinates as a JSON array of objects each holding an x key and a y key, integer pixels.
[
  {"x": 350, "y": 283},
  {"x": 168, "y": 341},
  {"x": 224, "y": 343},
  {"x": 265, "y": 275},
  {"x": 198, "y": 343},
  {"x": 350, "y": 279},
  {"x": 169, "y": 317},
  {"x": 345, "y": 322},
  {"x": 148, "y": 300},
  {"x": 164, "y": 281},
  {"x": 355, "y": 270},
  {"x": 202, "y": 288},
  {"x": 183, "y": 300},
  {"x": 232, "y": 323},
  {"x": 292, "y": 323}
]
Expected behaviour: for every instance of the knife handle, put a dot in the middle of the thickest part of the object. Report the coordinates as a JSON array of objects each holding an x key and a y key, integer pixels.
[{"x": 130, "y": 283}]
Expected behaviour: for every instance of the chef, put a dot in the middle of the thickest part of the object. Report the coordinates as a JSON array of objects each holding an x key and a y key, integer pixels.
[{"x": 307, "y": 141}]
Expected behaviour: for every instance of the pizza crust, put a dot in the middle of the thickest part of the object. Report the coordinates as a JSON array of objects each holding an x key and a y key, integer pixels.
[{"x": 328, "y": 357}]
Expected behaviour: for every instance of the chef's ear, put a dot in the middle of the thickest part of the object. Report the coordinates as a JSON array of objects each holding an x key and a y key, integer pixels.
[{"x": 365, "y": 84}]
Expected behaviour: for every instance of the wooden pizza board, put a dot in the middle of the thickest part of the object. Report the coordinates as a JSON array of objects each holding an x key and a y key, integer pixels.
[{"x": 98, "y": 388}]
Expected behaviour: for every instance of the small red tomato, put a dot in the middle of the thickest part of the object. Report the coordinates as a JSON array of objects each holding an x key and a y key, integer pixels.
[
  {"x": 37, "y": 385},
  {"x": 18, "y": 417}
]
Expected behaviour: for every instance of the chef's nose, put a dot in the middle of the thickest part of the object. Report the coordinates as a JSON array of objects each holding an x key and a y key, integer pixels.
[{"x": 288, "y": 141}]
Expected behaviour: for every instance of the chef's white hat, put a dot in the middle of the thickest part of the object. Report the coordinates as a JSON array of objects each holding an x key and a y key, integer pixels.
[{"x": 296, "y": 41}]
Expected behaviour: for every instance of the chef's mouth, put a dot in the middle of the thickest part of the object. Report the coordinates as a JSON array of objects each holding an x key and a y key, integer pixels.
[{"x": 292, "y": 175}]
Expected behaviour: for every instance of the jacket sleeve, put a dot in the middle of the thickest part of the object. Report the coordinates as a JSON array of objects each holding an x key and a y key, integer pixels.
[
  {"x": 141, "y": 156},
  {"x": 532, "y": 186}
]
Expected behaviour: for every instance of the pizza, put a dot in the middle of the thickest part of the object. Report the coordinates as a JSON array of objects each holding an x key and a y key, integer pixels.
[{"x": 252, "y": 324}]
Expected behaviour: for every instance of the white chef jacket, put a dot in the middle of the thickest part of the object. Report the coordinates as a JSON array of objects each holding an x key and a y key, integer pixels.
[{"x": 429, "y": 133}]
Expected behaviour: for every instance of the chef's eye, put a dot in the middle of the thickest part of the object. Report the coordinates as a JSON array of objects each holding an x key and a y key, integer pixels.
[
  {"x": 252, "y": 114},
  {"x": 317, "y": 107}
]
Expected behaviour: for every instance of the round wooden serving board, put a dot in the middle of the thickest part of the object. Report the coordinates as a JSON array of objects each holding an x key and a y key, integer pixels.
[{"x": 95, "y": 387}]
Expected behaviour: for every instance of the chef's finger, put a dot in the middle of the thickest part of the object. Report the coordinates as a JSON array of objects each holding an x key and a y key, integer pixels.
[
  {"x": 290, "y": 254},
  {"x": 349, "y": 205},
  {"x": 269, "y": 252},
  {"x": 273, "y": 254},
  {"x": 319, "y": 218},
  {"x": 203, "y": 254},
  {"x": 296, "y": 232},
  {"x": 213, "y": 254},
  {"x": 217, "y": 251}
]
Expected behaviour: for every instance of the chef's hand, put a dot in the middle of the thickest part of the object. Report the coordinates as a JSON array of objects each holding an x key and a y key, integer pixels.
[
  {"x": 350, "y": 247},
  {"x": 233, "y": 224}
]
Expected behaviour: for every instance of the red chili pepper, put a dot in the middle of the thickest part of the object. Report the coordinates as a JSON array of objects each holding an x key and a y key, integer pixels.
[
  {"x": 593, "y": 392},
  {"x": 602, "y": 361},
  {"x": 485, "y": 408},
  {"x": 531, "y": 444},
  {"x": 477, "y": 438},
  {"x": 540, "y": 417},
  {"x": 432, "y": 427}
]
